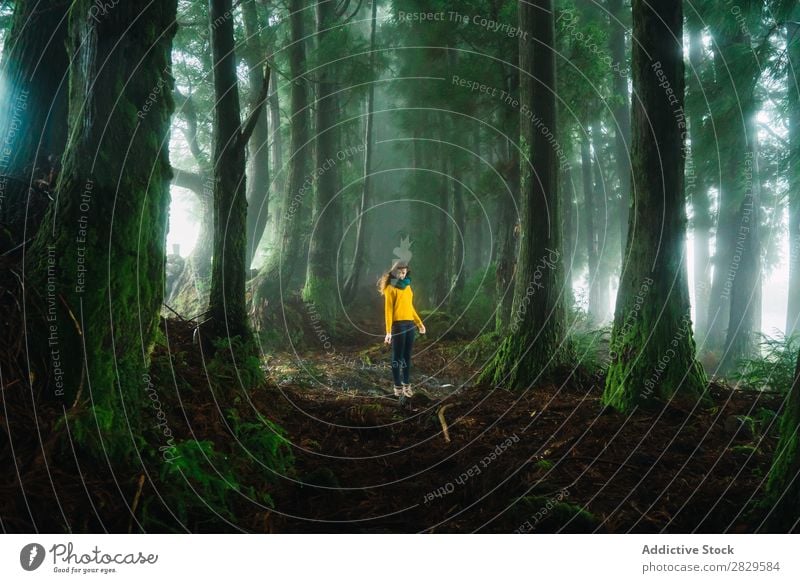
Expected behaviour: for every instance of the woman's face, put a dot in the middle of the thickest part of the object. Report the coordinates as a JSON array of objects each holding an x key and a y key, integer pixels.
[{"x": 401, "y": 272}]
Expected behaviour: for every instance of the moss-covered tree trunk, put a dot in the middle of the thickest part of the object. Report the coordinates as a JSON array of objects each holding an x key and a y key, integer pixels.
[
  {"x": 652, "y": 348},
  {"x": 322, "y": 281},
  {"x": 508, "y": 211},
  {"x": 793, "y": 110},
  {"x": 536, "y": 340},
  {"x": 258, "y": 174},
  {"x": 618, "y": 18},
  {"x": 783, "y": 485},
  {"x": 287, "y": 260},
  {"x": 98, "y": 261},
  {"x": 227, "y": 304},
  {"x": 33, "y": 101}
]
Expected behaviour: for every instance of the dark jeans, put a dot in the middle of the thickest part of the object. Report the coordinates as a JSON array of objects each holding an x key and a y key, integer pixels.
[{"x": 403, "y": 332}]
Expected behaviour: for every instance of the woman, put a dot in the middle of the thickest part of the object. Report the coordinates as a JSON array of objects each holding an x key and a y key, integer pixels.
[{"x": 401, "y": 317}]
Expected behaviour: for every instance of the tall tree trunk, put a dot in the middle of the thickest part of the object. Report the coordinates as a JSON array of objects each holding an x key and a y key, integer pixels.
[
  {"x": 354, "y": 277},
  {"x": 507, "y": 251},
  {"x": 589, "y": 214},
  {"x": 321, "y": 277},
  {"x": 98, "y": 259},
  {"x": 732, "y": 118},
  {"x": 537, "y": 331},
  {"x": 618, "y": 16},
  {"x": 287, "y": 261},
  {"x": 33, "y": 99},
  {"x": 600, "y": 282},
  {"x": 227, "y": 309},
  {"x": 440, "y": 276},
  {"x": 740, "y": 341},
  {"x": 509, "y": 234},
  {"x": 652, "y": 348},
  {"x": 258, "y": 175},
  {"x": 456, "y": 228},
  {"x": 696, "y": 187},
  {"x": 793, "y": 109},
  {"x": 570, "y": 235}
]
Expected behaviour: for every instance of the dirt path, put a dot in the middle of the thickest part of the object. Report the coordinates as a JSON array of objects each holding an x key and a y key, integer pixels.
[{"x": 545, "y": 460}]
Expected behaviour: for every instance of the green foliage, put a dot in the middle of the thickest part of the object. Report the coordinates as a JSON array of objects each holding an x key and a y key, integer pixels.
[
  {"x": 265, "y": 441},
  {"x": 774, "y": 368},
  {"x": 538, "y": 513},
  {"x": 236, "y": 360},
  {"x": 591, "y": 345},
  {"x": 88, "y": 425}
]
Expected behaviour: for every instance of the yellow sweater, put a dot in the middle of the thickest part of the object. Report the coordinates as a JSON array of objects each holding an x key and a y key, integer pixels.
[{"x": 399, "y": 306}]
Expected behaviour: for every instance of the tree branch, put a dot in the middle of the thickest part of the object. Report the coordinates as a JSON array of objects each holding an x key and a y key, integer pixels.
[
  {"x": 190, "y": 180},
  {"x": 255, "y": 111},
  {"x": 190, "y": 115}
]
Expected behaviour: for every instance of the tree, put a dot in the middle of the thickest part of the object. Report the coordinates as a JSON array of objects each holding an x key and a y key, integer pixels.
[
  {"x": 354, "y": 276},
  {"x": 536, "y": 341},
  {"x": 618, "y": 18},
  {"x": 652, "y": 348},
  {"x": 696, "y": 185},
  {"x": 227, "y": 308},
  {"x": 737, "y": 72},
  {"x": 258, "y": 174},
  {"x": 98, "y": 259},
  {"x": 321, "y": 277},
  {"x": 793, "y": 109},
  {"x": 33, "y": 99},
  {"x": 285, "y": 265}
]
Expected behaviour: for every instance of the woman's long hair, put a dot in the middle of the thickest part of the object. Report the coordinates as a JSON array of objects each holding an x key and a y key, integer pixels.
[{"x": 383, "y": 280}]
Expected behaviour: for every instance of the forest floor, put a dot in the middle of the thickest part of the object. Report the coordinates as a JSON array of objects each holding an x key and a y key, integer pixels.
[{"x": 549, "y": 459}]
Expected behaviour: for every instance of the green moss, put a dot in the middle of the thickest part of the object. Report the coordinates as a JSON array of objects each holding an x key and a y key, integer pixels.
[{"x": 550, "y": 514}]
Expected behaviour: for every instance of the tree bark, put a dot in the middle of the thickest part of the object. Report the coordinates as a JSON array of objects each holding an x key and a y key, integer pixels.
[
  {"x": 621, "y": 110},
  {"x": 793, "y": 109},
  {"x": 741, "y": 341},
  {"x": 508, "y": 210},
  {"x": 277, "y": 276},
  {"x": 731, "y": 121},
  {"x": 589, "y": 214},
  {"x": 652, "y": 348},
  {"x": 321, "y": 277},
  {"x": 227, "y": 308},
  {"x": 536, "y": 342},
  {"x": 258, "y": 174},
  {"x": 354, "y": 277},
  {"x": 600, "y": 282},
  {"x": 33, "y": 99},
  {"x": 696, "y": 187},
  {"x": 98, "y": 260}
]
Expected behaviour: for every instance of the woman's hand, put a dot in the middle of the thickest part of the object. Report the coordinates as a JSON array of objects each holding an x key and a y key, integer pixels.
[
  {"x": 421, "y": 328},
  {"x": 388, "y": 339}
]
